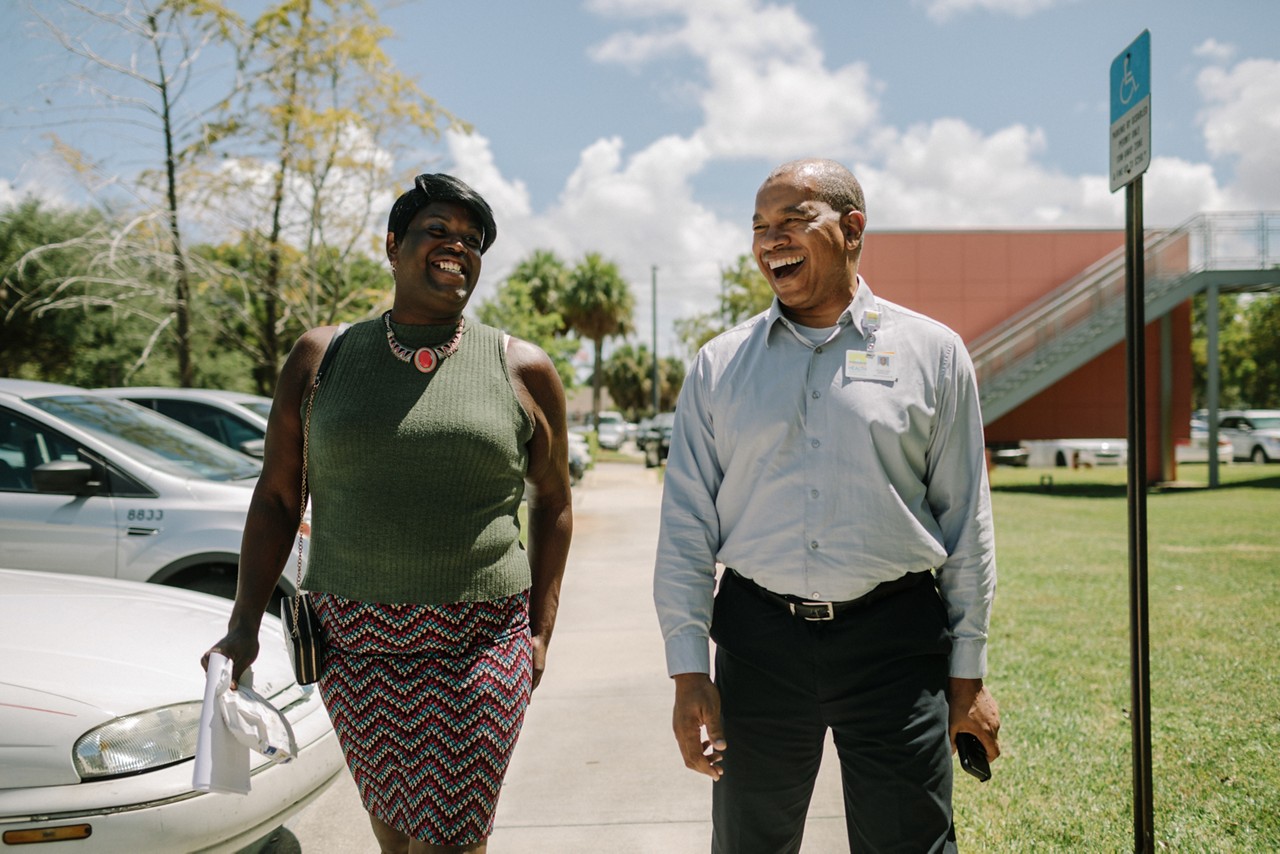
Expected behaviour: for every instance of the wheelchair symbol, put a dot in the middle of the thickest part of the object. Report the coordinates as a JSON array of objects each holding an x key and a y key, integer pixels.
[{"x": 1128, "y": 84}]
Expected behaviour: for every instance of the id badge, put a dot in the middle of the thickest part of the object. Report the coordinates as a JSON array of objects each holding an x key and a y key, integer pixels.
[{"x": 881, "y": 365}]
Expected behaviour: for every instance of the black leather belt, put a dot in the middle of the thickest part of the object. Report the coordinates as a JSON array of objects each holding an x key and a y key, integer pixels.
[{"x": 808, "y": 609}]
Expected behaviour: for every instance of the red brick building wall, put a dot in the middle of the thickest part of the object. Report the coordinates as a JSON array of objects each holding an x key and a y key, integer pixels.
[{"x": 974, "y": 280}]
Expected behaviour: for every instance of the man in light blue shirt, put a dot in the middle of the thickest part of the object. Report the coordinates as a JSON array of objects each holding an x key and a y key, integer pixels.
[{"x": 828, "y": 453}]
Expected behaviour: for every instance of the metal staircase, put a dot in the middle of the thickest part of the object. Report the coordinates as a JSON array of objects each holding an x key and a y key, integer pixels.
[{"x": 1084, "y": 317}]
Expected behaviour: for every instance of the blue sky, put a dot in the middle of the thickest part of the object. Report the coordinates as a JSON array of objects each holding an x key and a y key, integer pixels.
[{"x": 642, "y": 128}]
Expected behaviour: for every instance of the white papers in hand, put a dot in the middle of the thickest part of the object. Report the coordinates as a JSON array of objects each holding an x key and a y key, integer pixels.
[{"x": 222, "y": 762}]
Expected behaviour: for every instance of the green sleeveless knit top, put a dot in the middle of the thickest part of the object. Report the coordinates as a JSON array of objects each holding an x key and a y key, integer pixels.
[{"x": 416, "y": 478}]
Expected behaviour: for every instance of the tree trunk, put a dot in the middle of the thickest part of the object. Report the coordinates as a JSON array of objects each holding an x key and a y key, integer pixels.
[
  {"x": 597, "y": 375},
  {"x": 269, "y": 368},
  {"x": 182, "y": 276}
]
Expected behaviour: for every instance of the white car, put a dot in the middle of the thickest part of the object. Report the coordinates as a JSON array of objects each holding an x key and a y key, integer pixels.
[
  {"x": 98, "y": 486},
  {"x": 236, "y": 419},
  {"x": 1076, "y": 453},
  {"x": 100, "y": 696},
  {"x": 579, "y": 457},
  {"x": 1196, "y": 448},
  {"x": 611, "y": 430},
  {"x": 1254, "y": 433}
]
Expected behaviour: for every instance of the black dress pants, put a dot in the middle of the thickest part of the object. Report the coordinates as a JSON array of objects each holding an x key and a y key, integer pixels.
[{"x": 876, "y": 677}]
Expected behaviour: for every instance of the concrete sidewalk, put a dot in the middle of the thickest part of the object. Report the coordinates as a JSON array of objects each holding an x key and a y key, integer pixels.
[{"x": 596, "y": 768}]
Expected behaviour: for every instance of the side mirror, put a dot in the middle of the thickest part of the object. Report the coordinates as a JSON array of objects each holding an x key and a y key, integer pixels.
[{"x": 65, "y": 477}]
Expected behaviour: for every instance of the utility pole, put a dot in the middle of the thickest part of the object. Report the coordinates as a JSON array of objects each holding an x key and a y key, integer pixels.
[{"x": 653, "y": 288}]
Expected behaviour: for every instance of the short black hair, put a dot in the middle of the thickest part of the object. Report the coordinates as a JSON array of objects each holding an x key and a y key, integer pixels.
[{"x": 438, "y": 187}]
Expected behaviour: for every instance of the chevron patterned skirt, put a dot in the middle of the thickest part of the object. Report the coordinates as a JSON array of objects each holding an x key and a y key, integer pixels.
[{"x": 427, "y": 702}]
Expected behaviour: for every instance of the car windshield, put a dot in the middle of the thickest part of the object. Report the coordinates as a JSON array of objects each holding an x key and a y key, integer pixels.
[{"x": 150, "y": 438}]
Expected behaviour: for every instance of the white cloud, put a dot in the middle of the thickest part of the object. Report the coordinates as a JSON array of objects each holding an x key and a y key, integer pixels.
[
  {"x": 49, "y": 178},
  {"x": 947, "y": 174},
  {"x": 475, "y": 165},
  {"x": 1214, "y": 51},
  {"x": 1175, "y": 190},
  {"x": 942, "y": 11},
  {"x": 636, "y": 211},
  {"x": 767, "y": 92},
  {"x": 1241, "y": 122}
]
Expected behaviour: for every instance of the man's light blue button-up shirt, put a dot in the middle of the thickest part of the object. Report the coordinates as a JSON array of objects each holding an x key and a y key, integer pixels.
[{"x": 823, "y": 469}]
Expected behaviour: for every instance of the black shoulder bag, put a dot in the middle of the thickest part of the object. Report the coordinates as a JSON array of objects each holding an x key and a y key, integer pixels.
[{"x": 302, "y": 635}]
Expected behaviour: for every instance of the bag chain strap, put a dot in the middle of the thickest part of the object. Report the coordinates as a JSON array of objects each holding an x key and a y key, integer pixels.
[{"x": 302, "y": 504}]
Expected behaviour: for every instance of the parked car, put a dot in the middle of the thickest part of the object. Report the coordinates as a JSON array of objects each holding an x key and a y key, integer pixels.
[
  {"x": 1007, "y": 454},
  {"x": 611, "y": 430},
  {"x": 98, "y": 486},
  {"x": 1254, "y": 433},
  {"x": 1076, "y": 453},
  {"x": 654, "y": 438},
  {"x": 236, "y": 419},
  {"x": 100, "y": 698},
  {"x": 579, "y": 457},
  {"x": 1196, "y": 449}
]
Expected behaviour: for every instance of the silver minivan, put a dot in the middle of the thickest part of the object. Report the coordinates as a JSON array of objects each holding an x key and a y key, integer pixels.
[{"x": 93, "y": 485}]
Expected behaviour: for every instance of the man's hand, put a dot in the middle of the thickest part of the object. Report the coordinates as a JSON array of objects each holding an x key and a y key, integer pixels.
[
  {"x": 974, "y": 710},
  {"x": 698, "y": 707}
]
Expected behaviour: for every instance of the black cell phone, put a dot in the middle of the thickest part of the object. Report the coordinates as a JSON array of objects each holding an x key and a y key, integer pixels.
[{"x": 973, "y": 758}]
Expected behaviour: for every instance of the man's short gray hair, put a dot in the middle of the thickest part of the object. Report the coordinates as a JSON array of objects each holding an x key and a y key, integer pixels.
[{"x": 833, "y": 183}]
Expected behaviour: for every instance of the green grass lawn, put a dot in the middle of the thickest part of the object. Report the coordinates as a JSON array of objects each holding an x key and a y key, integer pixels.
[{"x": 1059, "y": 665}]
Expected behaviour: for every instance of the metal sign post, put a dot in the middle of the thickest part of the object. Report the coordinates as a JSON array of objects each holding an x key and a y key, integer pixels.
[{"x": 1130, "y": 156}]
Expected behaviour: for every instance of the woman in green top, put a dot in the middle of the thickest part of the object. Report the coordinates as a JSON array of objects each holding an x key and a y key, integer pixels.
[{"x": 422, "y": 438}]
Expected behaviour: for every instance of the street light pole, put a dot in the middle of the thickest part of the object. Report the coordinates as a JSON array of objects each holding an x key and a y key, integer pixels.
[{"x": 653, "y": 287}]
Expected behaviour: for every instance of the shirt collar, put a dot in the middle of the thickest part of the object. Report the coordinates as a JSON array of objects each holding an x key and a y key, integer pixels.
[
  {"x": 855, "y": 313},
  {"x": 863, "y": 301}
]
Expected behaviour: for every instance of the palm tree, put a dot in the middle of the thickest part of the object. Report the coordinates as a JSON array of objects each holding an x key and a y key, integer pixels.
[
  {"x": 597, "y": 304},
  {"x": 546, "y": 278}
]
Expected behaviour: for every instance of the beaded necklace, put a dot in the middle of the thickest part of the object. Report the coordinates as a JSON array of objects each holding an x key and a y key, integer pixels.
[{"x": 425, "y": 359}]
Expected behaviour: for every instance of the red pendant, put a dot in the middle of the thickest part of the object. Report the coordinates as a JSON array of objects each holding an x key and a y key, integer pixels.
[{"x": 425, "y": 360}]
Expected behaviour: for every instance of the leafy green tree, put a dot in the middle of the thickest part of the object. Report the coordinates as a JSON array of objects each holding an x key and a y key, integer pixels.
[
  {"x": 628, "y": 374},
  {"x": 317, "y": 124},
  {"x": 351, "y": 288},
  {"x": 1260, "y": 382},
  {"x": 144, "y": 85},
  {"x": 1248, "y": 351},
  {"x": 37, "y": 254},
  {"x": 514, "y": 308},
  {"x": 598, "y": 305},
  {"x": 744, "y": 292},
  {"x": 546, "y": 278}
]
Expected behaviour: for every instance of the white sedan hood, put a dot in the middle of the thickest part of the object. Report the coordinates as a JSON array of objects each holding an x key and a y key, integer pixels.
[{"x": 77, "y": 651}]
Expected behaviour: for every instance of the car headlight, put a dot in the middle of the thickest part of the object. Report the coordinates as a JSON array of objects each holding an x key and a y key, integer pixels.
[{"x": 141, "y": 742}]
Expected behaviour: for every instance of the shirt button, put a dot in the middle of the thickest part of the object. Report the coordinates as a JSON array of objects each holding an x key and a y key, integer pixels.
[
  {"x": 813, "y": 493},
  {"x": 815, "y": 443},
  {"x": 814, "y": 545},
  {"x": 817, "y": 394},
  {"x": 815, "y": 595},
  {"x": 817, "y": 350}
]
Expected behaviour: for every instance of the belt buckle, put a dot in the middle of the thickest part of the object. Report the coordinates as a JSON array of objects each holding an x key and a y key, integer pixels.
[{"x": 826, "y": 610}]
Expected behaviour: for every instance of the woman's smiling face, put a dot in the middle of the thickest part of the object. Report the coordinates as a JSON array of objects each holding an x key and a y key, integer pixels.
[{"x": 437, "y": 262}]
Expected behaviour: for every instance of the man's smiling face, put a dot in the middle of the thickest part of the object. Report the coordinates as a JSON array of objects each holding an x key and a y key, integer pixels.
[{"x": 806, "y": 249}]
